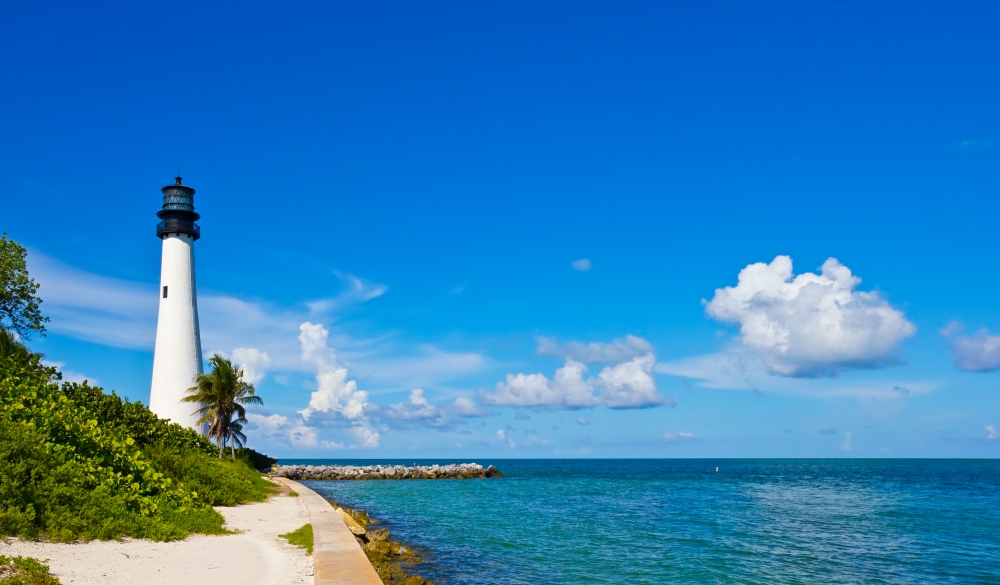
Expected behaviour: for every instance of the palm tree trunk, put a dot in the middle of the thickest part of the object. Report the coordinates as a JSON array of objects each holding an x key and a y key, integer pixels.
[{"x": 232, "y": 450}]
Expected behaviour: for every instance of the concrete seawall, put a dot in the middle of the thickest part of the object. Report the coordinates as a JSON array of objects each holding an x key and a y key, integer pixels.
[
  {"x": 337, "y": 556},
  {"x": 351, "y": 472}
]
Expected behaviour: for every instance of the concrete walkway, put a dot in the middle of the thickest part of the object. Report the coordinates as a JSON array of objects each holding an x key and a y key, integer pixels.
[{"x": 337, "y": 556}]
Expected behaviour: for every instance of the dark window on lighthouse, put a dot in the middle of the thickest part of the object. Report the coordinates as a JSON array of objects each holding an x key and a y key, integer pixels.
[{"x": 164, "y": 292}]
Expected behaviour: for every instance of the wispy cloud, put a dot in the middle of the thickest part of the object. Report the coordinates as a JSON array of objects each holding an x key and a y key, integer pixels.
[
  {"x": 266, "y": 338},
  {"x": 979, "y": 352},
  {"x": 973, "y": 145},
  {"x": 681, "y": 436},
  {"x": 736, "y": 368},
  {"x": 70, "y": 375},
  {"x": 581, "y": 265},
  {"x": 423, "y": 365},
  {"x": 356, "y": 290},
  {"x": 619, "y": 350},
  {"x": 122, "y": 313},
  {"x": 504, "y": 438},
  {"x": 95, "y": 308}
]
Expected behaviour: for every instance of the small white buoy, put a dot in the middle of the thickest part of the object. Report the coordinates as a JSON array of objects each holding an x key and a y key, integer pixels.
[{"x": 717, "y": 470}]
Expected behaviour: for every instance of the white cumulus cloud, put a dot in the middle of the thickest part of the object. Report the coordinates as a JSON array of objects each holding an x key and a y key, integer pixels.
[
  {"x": 302, "y": 436},
  {"x": 991, "y": 432},
  {"x": 567, "y": 390},
  {"x": 504, "y": 438},
  {"x": 266, "y": 426},
  {"x": 253, "y": 361},
  {"x": 416, "y": 408},
  {"x": 366, "y": 437},
  {"x": 625, "y": 385},
  {"x": 618, "y": 350},
  {"x": 466, "y": 407},
  {"x": 629, "y": 384},
  {"x": 334, "y": 392},
  {"x": 810, "y": 324}
]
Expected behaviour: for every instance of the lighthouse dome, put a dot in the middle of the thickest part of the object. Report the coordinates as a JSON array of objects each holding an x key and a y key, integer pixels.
[{"x": 178, "y": 197}]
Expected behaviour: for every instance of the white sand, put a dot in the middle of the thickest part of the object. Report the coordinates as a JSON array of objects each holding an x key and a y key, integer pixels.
[{"x": 255, "y": 556}]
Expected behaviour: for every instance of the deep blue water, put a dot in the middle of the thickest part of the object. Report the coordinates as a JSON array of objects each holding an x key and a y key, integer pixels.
[{"x": 678, "y": 521}]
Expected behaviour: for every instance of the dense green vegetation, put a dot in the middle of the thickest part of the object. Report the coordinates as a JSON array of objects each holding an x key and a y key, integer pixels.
[
  {"x": 81, "y": 464},
  {"x": 25, "y": 571},
  {"x": 258, "y": 461},
  {"x": 78, "y": 463},
  {"x": 20, "y": 307},
  {"x": 302, "y": 537}
]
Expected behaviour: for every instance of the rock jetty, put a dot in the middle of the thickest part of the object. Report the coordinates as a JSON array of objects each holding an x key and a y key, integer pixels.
[{"x": 342, "y": 472}]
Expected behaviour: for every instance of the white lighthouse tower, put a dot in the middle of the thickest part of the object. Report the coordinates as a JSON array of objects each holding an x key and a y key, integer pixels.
[{"x": 177, "y": 357}]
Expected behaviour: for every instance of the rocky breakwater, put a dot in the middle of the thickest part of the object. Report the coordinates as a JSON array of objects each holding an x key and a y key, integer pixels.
[{"x": 345, "y": 472}]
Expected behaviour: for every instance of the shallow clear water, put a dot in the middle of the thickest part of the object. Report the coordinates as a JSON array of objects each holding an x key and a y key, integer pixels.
[{"x": 678, "y": 521}]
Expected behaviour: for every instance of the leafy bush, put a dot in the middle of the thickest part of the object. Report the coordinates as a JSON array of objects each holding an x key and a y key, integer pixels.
[
  {"x": 25, "y": 571},
  {"x": 135, "y": 420},
  {"x": 258, "y": 461},
  {"x": 218, "y": 482},
  {"x": 82, "y": 464}
]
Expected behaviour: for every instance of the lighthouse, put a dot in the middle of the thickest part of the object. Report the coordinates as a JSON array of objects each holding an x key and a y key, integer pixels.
[{"x": 177, "y": 356}]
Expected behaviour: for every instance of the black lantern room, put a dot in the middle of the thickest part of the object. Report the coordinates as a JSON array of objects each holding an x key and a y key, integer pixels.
[{"x": 178, "y": 212}]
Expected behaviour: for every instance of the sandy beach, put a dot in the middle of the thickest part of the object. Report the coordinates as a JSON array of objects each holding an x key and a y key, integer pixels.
[{"x": 255, "y": 556}]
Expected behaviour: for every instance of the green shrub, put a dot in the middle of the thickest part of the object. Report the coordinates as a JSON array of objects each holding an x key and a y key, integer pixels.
[
  {"x": 258, "y": 461},
  {"x": 25, "y": 571},
  {"x": 218, "y": 482},
  {"x": 82, "y": 464}
]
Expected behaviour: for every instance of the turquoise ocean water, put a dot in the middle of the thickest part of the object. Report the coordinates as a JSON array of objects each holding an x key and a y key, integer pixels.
[{"x": 680, "y": 521}]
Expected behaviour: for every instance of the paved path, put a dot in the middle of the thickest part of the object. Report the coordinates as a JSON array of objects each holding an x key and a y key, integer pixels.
[{"x": 256, "y": 556}]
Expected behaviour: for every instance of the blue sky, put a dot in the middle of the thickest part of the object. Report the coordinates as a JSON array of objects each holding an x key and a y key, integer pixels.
[{"x": 415, "y": 183}]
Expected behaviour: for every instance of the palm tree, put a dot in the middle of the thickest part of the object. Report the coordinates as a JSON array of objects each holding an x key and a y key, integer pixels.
[
  {"x": 223, "y": 395},
  {"x": 236, "y": 436}
]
